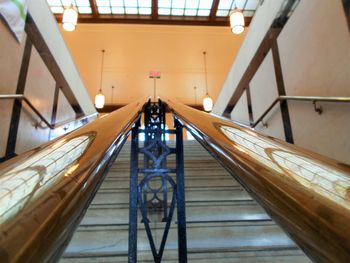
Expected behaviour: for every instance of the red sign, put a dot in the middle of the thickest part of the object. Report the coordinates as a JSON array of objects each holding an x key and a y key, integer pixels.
[{"x": 154, "y": 74}]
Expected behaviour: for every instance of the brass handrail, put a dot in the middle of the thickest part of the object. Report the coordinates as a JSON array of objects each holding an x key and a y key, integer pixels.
[
  {"x": 307, "y": 194},
  {"x": 313, "y": 99},
  {"x": 45, "y": 192},
  {"x": 82, "y": 118},
  {"x": 21, "y": 97}
]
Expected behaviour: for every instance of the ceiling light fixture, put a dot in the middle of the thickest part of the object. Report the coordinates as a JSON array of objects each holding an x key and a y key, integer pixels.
[
  {"x": 70, "y": 18},
  {"x": 100, "y": 98},
  {"x": 237, "y": 21},
  {"x": 207, "y": 101}
]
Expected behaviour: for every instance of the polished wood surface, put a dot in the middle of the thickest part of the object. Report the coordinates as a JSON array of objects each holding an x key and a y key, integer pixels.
[
  {"x": 307, "y": 194},
  {"x": 44, "y": 193}
]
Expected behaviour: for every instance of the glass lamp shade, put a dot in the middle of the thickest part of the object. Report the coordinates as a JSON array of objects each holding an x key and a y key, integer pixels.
[
  {"x": 70, "y": 18},
  {"x": 237, "y": 22},
  {"x": 99, "y": 101},
  {"x": 208, "y": 103}
]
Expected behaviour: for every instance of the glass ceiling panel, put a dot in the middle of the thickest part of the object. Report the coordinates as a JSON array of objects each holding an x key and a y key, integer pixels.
[
  {"x": 137, "y": 7},
  {"x": 124, "y": 7},
  {"x": 165, "y": 7},
  {"x": 57, "y": 6},
  {"x": 247, "y": 6},
  {"x": 185, "y": 7}
]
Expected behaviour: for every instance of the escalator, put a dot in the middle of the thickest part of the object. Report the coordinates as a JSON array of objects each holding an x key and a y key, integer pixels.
[
  {"x": 224, "y": 223},
  {"x": 46, "y": 192}
]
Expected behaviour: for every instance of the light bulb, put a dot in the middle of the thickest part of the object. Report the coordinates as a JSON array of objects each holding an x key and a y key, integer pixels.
[
  {"x": 208, "y": 103},
  {"x": 70, "y": 18},
  {"x": 237, "y": 22},
  {"x": 99, "y": 101}
]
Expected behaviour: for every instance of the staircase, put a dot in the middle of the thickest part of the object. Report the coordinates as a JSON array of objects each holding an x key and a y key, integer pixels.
[{"x": 224, "y": 224}]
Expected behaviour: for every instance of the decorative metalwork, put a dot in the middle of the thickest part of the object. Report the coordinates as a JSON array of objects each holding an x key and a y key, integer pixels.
[{"x": 151, "y": 193}]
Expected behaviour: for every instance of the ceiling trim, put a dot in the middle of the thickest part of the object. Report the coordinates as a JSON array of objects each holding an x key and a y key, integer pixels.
[{"x": 159, "y": 20}]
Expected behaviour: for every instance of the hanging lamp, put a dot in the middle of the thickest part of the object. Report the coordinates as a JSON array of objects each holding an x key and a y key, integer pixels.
[
  {"x": 70, "y": 18},
  {"x": 100, "y": 98},
  {"x": 237, "y": 21},
  {"x": 207, "y": 101}
]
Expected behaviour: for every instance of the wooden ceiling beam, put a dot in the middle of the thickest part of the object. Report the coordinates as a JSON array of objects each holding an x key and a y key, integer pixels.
[
  {"x": 165, "y": 20},
  {"x": 154, "y": 9},
  {"x": 93, "y": 8},
  {"x": 213, "y": 10}
]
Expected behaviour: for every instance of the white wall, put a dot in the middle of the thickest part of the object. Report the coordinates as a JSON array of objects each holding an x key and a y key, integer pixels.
[
  {"x": 260, "y": 24},
  {"x": 240, "y": 112},
  {"x": 263, "y": 89},
  {"x": 48, "y": 27},
  {"x": 39, "y": 89},
  {"x": 315, "y": 58},
  {"x": 40, "y": 84},
  {"x": 10, "y": 63}
]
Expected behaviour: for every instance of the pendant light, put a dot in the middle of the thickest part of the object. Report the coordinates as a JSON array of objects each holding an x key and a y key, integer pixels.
[
  {"x": 237, "y": 21},
  {"x": 207, "y": 101},
  {"x": 70, "y": 18},
  {"x": 100, "y": 98}
]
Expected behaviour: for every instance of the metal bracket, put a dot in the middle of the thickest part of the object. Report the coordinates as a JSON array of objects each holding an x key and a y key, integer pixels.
[
  {"x": 317, "y": 109},
  {"x": 265, "y": 124}
]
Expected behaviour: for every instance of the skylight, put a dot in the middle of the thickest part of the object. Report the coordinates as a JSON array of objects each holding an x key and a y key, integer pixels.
[
  {"x": 248, "y": 7},
  {"x": 185, "y": 7},
  {"x": 57, "y": 6},
  {"x": 124, "y": 7},
  {"x": 201, "y": 11}
]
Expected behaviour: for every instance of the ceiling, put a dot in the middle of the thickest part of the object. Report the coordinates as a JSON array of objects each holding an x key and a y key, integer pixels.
[
  {"x": 175, "y": 12},
  {"x": 139, "y": 36},
  {"x": 132, "y": 51}
]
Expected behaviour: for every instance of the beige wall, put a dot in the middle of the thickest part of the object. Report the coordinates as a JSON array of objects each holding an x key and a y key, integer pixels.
[
  {"x": 64, "y": 111},
  {"x": 260, "y": 24},
  {"x": 133, "y": 50},
  {"x": 10, "y": 62},
  {"x": 48, "y": 27},
  {"x": 317, "y": 63},
  {"x": 315, "y": 57},
  {"x": 39, "y": 89},
  {"x": 263, "y": 89},
  {"x": 240, "y": 113}
]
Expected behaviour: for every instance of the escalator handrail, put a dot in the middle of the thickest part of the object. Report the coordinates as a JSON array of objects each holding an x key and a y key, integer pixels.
[
  {"x": 45, "y": 192},
  {"x": 307, "y": 194}
]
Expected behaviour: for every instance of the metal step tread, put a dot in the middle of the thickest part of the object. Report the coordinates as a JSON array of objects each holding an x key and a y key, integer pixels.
[
  {"x": 258, "y": 255},
  {"x": 239, "y": 235}
]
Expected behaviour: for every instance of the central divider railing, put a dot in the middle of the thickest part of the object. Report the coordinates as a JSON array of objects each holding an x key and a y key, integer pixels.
[
  {"x": 44, "y": 193},
  {"x": 151, "y": 192}
]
